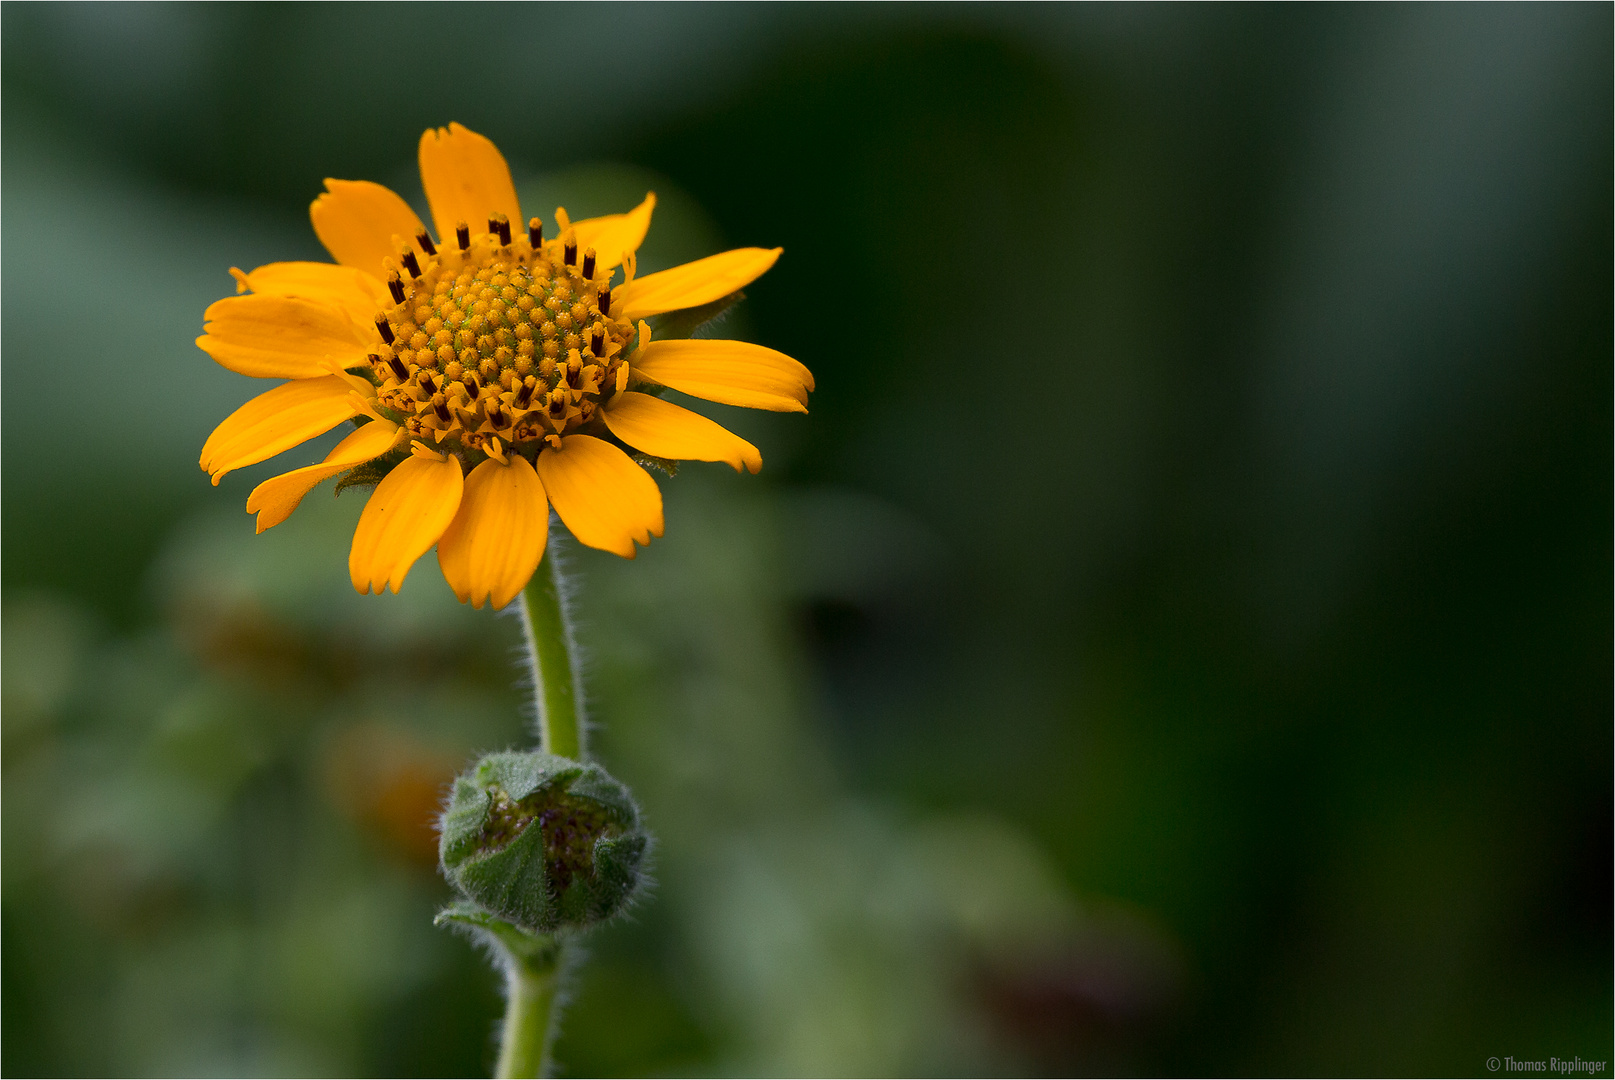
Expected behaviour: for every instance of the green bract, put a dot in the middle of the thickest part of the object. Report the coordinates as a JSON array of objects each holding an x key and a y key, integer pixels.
[{"x": 543, "y": 841}]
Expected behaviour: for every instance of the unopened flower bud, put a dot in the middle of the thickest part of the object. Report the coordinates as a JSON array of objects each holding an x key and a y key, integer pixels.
[{"x": 543, "y": 841}]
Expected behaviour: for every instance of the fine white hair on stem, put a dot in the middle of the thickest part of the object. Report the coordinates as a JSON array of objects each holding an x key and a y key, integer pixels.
[{"x": 558, "y": 554}]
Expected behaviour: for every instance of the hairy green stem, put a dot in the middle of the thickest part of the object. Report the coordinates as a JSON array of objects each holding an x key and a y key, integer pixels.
[
  {"x": 533, "y": 979},
  {"x": 549, "y": 644},
  {"x": 524, "y": 1044}
]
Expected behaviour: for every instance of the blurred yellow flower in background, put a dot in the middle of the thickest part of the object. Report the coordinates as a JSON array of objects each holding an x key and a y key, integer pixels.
[{"x": 493, "y": 373}]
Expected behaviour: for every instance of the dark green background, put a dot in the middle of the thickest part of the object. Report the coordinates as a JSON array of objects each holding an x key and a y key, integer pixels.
[{"x": 1177, "y": 641}]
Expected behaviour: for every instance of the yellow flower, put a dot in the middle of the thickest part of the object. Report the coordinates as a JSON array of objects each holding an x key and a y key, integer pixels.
[{"x": 493, "y": 373}]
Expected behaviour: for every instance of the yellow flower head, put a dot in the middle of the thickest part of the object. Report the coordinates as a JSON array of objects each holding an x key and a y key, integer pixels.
[{"x": 493, "y": 373}]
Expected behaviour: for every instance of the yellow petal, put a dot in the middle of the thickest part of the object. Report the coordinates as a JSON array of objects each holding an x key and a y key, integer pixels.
[
  {"x": 615, "y": 235},
  {"x": 406, "y": 514},
  {"x": 466, "y": 179},
  {"x": 354, "y": 291},
  {"x": 356, "y": 220},
  {"x": 281, "y": 337},
  {"x": 733, "y": 372},
  {"x": 276, "y": 420},
  {"x": 665, "y": 430},
  {"x": 275, "y": 499},
  {"x": 494, "y": 544},
  {"x": 605, "y": 499},
  {"x": 693, "y": 284}
]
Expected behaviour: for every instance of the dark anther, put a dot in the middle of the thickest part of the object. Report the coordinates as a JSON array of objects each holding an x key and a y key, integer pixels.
[
  {"x": 588, "y": 263},
  {"x": 471, "y": 380},
  {"x": 605, "y": 301},
  {"x": 571, "y": 253},
  {"x": 557, "y": 407},
  {"x": 440, "y": 405},
  {"x": 496, "y": 415},
  {"x": 597, "y": 343},
  {"x": 400, "y": 372},
  {"x": 525, "y": 394},
  {"x": 410, "y": 263},
  {"x": 462, "y": 233},
  {"x": 375, "y": 360},
  {"x": 395, "y": 286},
  {"x": 535, "y": 233},
  {"x": 384, "y": 328},
  {"x": 499, "y": 225},
  {"x": 428, "y": 384},
  {"x": 424, "y": 239}
]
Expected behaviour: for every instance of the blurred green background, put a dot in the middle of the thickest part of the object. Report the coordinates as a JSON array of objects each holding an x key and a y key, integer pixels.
[{"x": 1178, "y": 641}]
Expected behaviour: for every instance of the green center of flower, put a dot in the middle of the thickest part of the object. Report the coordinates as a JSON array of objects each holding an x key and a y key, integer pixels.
[{"x": 499, "y": 339}]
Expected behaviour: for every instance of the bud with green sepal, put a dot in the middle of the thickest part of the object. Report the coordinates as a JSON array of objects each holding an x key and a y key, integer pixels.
[{"x": 543, "y": 841}]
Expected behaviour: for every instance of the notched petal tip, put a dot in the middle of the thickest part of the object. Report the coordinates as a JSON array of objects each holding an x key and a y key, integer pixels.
[
  {"x": 465, "y": 178},
  {"x": 356, "y": 221},
  {"x": 281, "y": 337}
]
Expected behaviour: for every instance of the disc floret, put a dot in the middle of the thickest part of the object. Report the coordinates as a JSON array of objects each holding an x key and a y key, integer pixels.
[{"x": 499, "y": 342}]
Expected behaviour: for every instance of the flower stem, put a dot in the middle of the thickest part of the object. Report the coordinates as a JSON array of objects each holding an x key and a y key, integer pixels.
[
  {"x": 532, "y": 977},
  {"x": 549, "y": 644},
  {"x": 525, "y": 1041}
]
